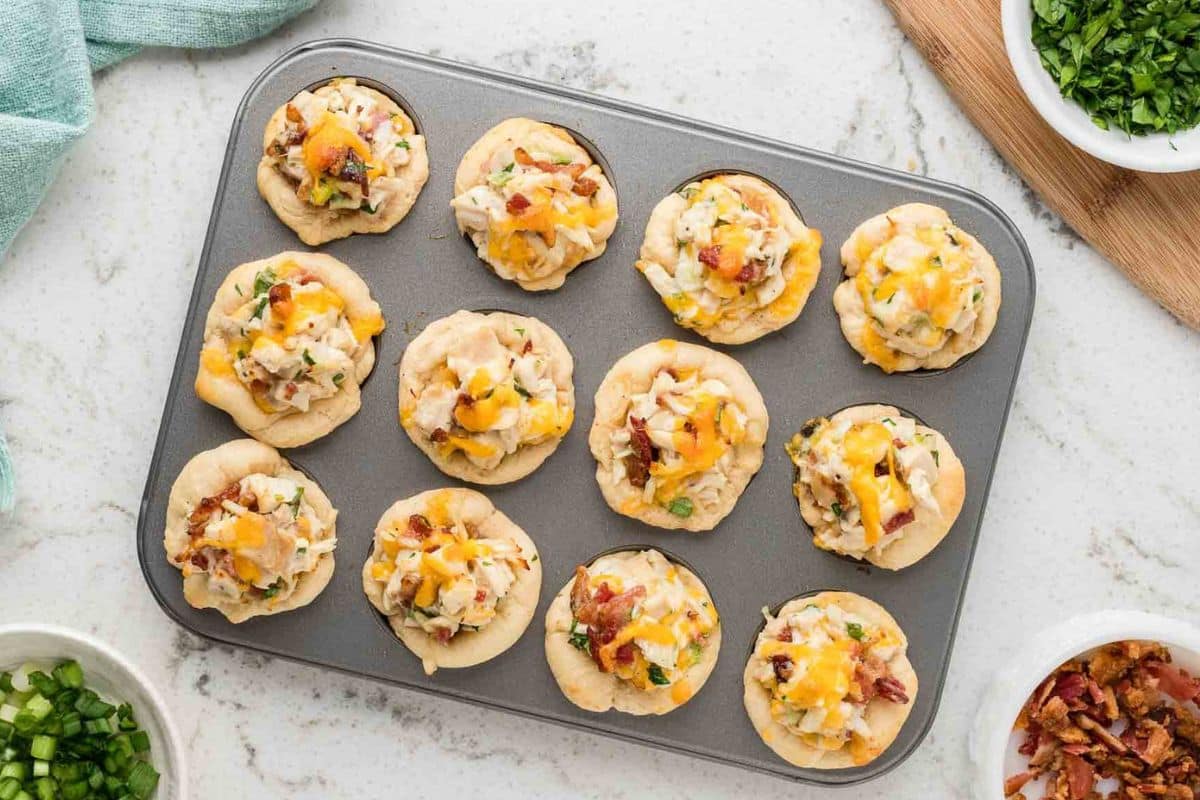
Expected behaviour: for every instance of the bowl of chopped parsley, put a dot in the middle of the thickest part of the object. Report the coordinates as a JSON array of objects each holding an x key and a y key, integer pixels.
[
  {"x": 78, "y": 721},
  {"x": 1118, "y": 78}
]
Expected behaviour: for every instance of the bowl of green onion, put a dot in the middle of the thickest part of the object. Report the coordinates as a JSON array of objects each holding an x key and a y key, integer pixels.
[
  {"x": 79, "y": 722},
  {"x": 1119, "y": 79}
]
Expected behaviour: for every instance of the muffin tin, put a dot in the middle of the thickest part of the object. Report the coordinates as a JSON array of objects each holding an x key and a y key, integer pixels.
[{"x": 421, "y": 270}]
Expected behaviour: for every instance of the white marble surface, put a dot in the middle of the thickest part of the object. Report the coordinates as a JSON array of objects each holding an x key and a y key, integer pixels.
[{"x": 1094, "y": 502}]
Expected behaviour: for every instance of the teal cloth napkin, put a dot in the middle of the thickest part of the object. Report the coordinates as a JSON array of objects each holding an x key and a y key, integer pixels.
[{"x": 48, "y": 50}]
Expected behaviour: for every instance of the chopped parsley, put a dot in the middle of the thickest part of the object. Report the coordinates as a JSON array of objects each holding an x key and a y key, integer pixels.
[
  {"x": 681, "y": 507},
  {"x": 521, "y": 390},
  {"x": 562, "y": 161},
  {"x": 656, "y": 675},
  {"x": 1131, "y": 64},
  {"x": 936, "y": 462},
  {"x": 855, "y": 631},
  {"x": 238, "y": 289},
  {"x": 273, "y": 589},
  {"x": 836, "y": 508},
  {"x": 262, "y": 306},
  {"x": 308, "y": 359},
  {"x": 520, "y": 331},
  {"x": 337, "y": 379},
  {"x": 403, "y": 144}
]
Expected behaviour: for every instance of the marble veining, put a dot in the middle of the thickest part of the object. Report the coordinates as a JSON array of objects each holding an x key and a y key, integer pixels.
[{"x": 1093, "y": 504}]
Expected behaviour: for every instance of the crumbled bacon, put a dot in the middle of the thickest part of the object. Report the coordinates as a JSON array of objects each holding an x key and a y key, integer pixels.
[
  {"x": 480, "y": 595},
  {"x": 200, "y": 515},
  {"x": 418, "y": 527},
  {"x": 881, "y": 468},
  {"x": 605, "y": 613},
  {"x": 785, "y": 635},
  {"x": 710, "y": 255},
  {"x": 522, "y": 157},
  {"x": 293, "y": 114},
  {"x": 517, "y": 204},
  {"x": 638, "y": 464},
  {"x": 585, "y": 187},
  {"x": 899, "y": 521},
  {"x": 439, "y": 436},
  {"x": 891, "y": 689},
  {"x": 782, "y": 666},
  {"x": 280, "y": 298},
  {"x": 527, "y": 347},
  {"x": 1117, "y": 714},
  {"x": 751, "y": 272}
]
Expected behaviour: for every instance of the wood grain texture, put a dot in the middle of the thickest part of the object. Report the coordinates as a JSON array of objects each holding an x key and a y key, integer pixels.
[{"x": 1148, "y": 224}]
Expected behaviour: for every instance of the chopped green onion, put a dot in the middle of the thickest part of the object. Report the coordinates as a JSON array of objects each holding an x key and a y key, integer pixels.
[
  {"x": 263, "y": 281},
  {"x": 681, "y": 507},
  {"x": 855, "y": 631},
  {"x": 656, "y": 675}
]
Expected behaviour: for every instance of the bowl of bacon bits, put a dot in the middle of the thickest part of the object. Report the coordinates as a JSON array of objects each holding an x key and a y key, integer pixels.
[{"x": 1103, "y": 707}]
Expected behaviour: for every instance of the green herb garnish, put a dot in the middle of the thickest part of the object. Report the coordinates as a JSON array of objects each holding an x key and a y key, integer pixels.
[
  {"x": 656, "y": 675},
  {"x": 403, "y": 144},
  {"x": 836, "y": 508},
  {"x": 501, "y": 176},
  {"x": 855, "y": 631},
  {"x": 264, "y": 280},
  {"x": 936, "y": 462},
  {"x": 262, "y": 306},
  {"x": 273, "y": 589},
  {"x": 308, "y": 359},
  {"x": 1131, "y": 64},
  {"x": 579, "y": 639},
  {"x": 294, "y": 503},
  {"x": 681, "y": 507},
  {"x": 337, "y": 379}
]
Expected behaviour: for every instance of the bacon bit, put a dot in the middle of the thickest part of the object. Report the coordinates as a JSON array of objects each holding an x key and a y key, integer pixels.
[
  {"x": 517, "y": 204},
  {"x": 899, "y": 521},
  {"x": 199, "y": 561},
  {"x": 891, "y": 689},
  {"x": 439, "y": 436},
  {"x": 293, "y": 114},
  {"x": 290, "y": 389},
  {"x": 605, "y": 613},
  {"x": 638, "y": 464},
  {"x": 1100, "y": 732},
  {"x": 522, "y": 157},
  {"x": 418, "y": 527},
  {"x": 710, "y": 255},
  {"x": 1070, "y": 687},
  {"x": 625, "y": 653},
  {"x": 604, "y": 593},
  {"x": 881, "y": 469},
  {"x": 527, "y": 347},
  {"x": 410, "y": 583},
  {"x": 1013, "y": 784},
  {"x": 580, "y": 595},
  {"x": 465, "y": 399},
  {"x": 443, "y": 635},
  {"x": 751, "y": 272},
  {"x": 306, "y": 278},
  {"x": 1174, "y": 681},
  {"x": 785, "y": 635},
  {"x": 782, "y": 666},
  {"x": 480, "y": 595},
  {"x": 1080, "y": 776},
  {"x": 585, "y": 187}
]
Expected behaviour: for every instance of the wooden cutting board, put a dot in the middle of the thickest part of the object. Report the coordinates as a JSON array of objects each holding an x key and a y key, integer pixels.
[{"x": 1148, "y": 225}]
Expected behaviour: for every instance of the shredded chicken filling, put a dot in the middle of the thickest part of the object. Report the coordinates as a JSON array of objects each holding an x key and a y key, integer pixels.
[
  {"x": 731, "y": 252},
  {"x": 823, "y": 666},
  {"x": 867, "y": 478},
  {"x": 290, "y": 342},
  {"x": 441, "y": 575},
  {"x": 489, "y": 400},
  {"x": 679, "y": 441},
  {"x": 255, "y": 539},
  {"x": 919, "y": 288},
  {"x": 646, "y": 630},
  {"x": 537, "y": 213},
  {"x": 337, "y": 144}
]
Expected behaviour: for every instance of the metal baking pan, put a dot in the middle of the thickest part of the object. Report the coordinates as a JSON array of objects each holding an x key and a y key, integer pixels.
[{"x": 759, "y": 556}]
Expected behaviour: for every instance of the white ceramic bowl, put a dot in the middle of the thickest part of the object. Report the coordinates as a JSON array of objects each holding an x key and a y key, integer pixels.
[
  {"x": 991, "y": 746},
  {"x": 112, "y": 677},
  {"x": 1153, "y": 153}
]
